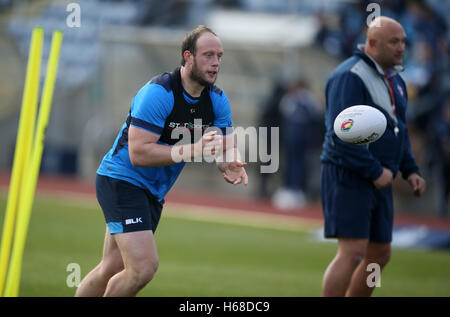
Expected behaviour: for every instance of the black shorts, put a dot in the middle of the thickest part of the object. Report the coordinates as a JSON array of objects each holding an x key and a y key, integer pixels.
[
  {"x": 354, "y": 208},
  {"x": 127, "y": 207}
]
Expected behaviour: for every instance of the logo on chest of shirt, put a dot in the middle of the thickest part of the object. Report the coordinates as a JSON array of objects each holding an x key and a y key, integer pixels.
[{"x": 188, "y": 125}]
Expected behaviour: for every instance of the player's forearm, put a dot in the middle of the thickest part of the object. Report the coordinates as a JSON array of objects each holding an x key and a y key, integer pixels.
[{"x": 155, "y": 155}]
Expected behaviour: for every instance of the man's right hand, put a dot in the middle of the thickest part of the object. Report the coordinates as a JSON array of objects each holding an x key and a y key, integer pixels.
[
  {"x": 209, "y": 143},
  {"x": 385, "y": 179}
]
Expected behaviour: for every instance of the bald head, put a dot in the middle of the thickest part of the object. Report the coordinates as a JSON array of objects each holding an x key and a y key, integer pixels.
[
  {"x": 382, "y": 26},
  {"x": 385, "y": 42}
]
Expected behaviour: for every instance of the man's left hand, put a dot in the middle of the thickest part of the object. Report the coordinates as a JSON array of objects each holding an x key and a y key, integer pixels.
[
  {"x": 417, "y": 183},
  {"x": 235, "y": 173}
]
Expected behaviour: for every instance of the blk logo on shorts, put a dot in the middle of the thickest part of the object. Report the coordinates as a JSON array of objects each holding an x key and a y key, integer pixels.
[{"x": 133, "y": 221}]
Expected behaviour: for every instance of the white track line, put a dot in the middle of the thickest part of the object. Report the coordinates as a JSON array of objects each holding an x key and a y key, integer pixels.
[{"x": 240, "y": 217}]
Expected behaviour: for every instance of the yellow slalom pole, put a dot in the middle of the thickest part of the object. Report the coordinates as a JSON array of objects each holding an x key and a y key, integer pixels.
[
  {"x": 32, "y": 170},
  {"x": 23, "y": 146}
]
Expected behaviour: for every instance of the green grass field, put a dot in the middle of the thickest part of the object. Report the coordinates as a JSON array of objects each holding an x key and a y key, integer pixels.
[{"x": 208, "y": 258}]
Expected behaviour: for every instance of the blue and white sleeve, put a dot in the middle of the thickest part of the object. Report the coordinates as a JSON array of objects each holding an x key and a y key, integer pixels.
[{"x": 150, "y": 108}]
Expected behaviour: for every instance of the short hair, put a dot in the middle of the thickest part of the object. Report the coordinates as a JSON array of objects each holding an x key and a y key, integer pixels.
[{"x": 190, "y": 41}]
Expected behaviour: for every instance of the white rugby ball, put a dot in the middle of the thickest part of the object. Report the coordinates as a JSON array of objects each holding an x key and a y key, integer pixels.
[{"x": 360, "y": 124}]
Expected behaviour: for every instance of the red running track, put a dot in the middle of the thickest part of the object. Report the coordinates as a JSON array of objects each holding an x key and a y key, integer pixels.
[{"x": 67, "y": 185}]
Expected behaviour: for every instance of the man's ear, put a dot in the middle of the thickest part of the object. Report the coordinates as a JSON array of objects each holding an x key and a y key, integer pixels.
[
  {"x": 187, "y": 55},
  {"x": 372, "y": 42}
]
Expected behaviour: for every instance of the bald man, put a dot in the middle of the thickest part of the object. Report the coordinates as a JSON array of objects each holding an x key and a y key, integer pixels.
[{"x": 356, "y": 180}]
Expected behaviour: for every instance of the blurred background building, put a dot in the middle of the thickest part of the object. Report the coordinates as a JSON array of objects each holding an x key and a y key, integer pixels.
[{"x": 278, "y": 55}]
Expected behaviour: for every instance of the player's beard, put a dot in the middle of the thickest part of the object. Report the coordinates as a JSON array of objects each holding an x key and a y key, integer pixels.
[{"x": 197, "y": 76}]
